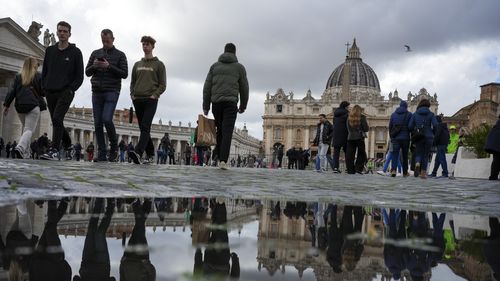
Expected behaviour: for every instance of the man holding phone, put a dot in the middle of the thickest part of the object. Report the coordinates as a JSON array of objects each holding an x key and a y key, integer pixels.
[{"x": 107, "y": 66}]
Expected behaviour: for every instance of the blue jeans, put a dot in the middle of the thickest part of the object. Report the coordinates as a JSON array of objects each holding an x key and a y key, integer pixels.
[
  {"x": 403, "y": 146},
  {"x": 391, "y": 158},
  {"x": 103, "y": 105},
  {"x": 441, "y": 160},
  {"x": 422, "y": 150}
]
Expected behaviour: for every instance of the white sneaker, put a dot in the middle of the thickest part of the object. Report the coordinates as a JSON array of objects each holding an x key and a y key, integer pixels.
[
  {"x": 53, "y": 154},
  {"x": 223, "y": 165}
]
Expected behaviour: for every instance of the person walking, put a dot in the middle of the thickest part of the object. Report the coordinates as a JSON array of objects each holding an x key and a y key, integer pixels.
[
  {"x": 323, "y": 139},
  {"x": 27, "y": 92},
  {"x": 122, "y": 146},
  {"x": 357, "y": 127},
  {"x": 78, "y": 151},
  {"x": 441, "y": 141},
  {"x": 226, "y": 83},
  {"x": 149, "y": 81},
  {"x": 7, "y": 149},
  {"x": 400, "y": 137},
  {"x": 90, "y": 151},
  {"x": 1, "y": 146},
  {"x": 107, "y": 66},
  {"x": 339, "y": 133},
  {"x": 423, "y": 125},
  {"x": 62, "y": 76},
  {"x": 493, "y": 146}
]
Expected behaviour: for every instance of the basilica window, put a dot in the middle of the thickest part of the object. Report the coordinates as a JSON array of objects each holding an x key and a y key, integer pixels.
[
  {"x": 316, "y": 110},
  {"x": 299, "y": 110},
  {"x": 279, "y": 108},
  {"x": 381, "y": 111},
  {"x": 298, "y": 134},
  {"x": 277, "y": 134},
  {"x": 380, "y": 135},
  {"x": 312, "y": 133}
]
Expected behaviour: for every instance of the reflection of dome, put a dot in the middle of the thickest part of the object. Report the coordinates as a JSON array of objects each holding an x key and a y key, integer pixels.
[{"x": 361, "y": 74}]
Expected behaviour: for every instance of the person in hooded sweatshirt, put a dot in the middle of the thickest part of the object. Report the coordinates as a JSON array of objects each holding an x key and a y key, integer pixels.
[
  {"x": 62, "y": 76},
  {"x": 425, "y": 121},
  {"x": 226, "y": 80},
  {"x": 493, "y": 146},
  {"x": 400, "y": 141},
  {"x": 441, "y": 141},
  {"x": 149, "y": 81},
  {"x": 339, "y": 133}
]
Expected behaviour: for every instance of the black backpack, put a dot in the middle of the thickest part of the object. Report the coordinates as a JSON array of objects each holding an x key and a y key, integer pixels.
[{"x": 396, "y": 129}]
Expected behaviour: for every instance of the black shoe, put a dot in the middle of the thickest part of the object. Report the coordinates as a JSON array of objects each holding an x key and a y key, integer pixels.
[
  {"x": 135, "y": 157},
  {"x": 18, "y": 153}
]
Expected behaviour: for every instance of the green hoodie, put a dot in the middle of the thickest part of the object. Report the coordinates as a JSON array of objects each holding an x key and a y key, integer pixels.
[
  {"x": 148, "y": 78},
  {"x": 225, "y": 81}
]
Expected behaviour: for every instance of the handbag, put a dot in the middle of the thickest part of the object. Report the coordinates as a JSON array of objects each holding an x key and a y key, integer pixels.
[
  {"x": 206, "y": 132},
  {"x": 396, "y": 129},
  {"x": 41, "y": 100}
]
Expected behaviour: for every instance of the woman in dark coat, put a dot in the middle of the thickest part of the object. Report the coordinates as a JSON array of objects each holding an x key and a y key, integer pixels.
[
  {"x": 425, "y": 121},
  {"x": 357, "y": 127},
  {"x": 493, "y": 146},
  {"x": 339, "y": 133}
]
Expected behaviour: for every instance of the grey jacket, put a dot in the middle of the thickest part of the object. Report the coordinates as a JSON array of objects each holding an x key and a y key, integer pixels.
[{"x": 226, "y": 80}]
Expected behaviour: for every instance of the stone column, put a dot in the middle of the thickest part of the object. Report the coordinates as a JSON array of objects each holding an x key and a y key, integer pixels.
[
  {"x": 373, "y": 134},
  {"x": 289, "y": 137},
  {"x": 306, "y": 137}
]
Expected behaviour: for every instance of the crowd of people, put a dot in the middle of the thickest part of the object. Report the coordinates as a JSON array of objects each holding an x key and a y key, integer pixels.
[
  {"x": 62, "y": 75},
  {"x": 226, "y": 84}
]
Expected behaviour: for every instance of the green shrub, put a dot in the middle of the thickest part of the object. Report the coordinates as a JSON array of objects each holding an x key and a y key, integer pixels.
[{"x": 476, "y": 139}]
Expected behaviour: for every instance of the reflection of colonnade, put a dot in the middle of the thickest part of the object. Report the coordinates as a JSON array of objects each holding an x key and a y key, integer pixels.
[
  {"x": 177, "y": 216},
  {"x": 285, "y": 242}
]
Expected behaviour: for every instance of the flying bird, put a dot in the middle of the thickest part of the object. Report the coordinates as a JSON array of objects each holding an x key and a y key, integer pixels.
[{"x": 408, "y": 49}]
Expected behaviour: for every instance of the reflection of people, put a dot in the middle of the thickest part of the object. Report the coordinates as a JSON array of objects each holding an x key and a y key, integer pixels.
[
  {"x": 95, "y": 258},
  {"x": 48, "y": 262},
  {"x": 16, "y": 233},
  {"x": 217, "y": 253},
  {"x": 418, "y": 259},
  {"x": 394, "y": 256},
  {"x": 352, "y": 247},
  {"x": 335, "y": 240},
  {"x": 492, "y": 247},
  {"x": 135, "y": 263}
]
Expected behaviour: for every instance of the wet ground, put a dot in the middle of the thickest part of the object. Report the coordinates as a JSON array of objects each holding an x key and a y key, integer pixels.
[{"x": 64, "y": 219}]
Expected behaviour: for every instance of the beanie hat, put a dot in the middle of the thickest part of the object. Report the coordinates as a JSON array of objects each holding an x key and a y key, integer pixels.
[
  {"x": 403, "y": 104},
  {"x": 230, "y": 48}
]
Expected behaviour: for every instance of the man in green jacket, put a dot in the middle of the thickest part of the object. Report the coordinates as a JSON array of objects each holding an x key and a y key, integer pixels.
[
  {"x": 226, "y": 83},
  {"x": 453, "y": 145},
  {"x": 149, "y": 81}
]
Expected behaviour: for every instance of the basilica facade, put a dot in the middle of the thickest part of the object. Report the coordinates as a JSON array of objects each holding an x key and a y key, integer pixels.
[{"x": 292, "y": 121}]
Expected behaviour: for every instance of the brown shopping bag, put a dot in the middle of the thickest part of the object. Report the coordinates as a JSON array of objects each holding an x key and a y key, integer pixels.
[{"x": 206, "y": 132}]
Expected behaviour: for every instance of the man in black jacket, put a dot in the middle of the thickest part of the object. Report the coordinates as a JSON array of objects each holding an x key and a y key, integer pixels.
[
  {"x": 339, "y": 133},
  {"x": 441, "y": 141},
  {"x": 323, "y": 140},
  {"x": 107, "y": 66},
  {"x": 62, "y": 75}
]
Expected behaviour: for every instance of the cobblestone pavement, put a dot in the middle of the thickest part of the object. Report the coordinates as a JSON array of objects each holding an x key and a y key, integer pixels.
[{"x": 21, "y": 179}]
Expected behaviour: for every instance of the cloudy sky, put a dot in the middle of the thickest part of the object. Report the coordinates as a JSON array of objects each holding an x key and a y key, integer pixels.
[{"x": 294, "y": 45}]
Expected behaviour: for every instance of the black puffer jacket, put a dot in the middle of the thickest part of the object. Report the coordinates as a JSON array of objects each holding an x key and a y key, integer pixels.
[
  {"x": 442, "y": 136},
  {"x": 327, "y": 133},
  {"x": 26, "y": 99},
  {"x": 109, "y": 79},
  {"x": 339, "y": 126}
]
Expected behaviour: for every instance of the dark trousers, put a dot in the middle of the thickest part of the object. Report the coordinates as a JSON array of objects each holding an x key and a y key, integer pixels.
[
  {"x": 495, "y": 166},
  {"x": 199, "y": 155},
  {"x": 138, "y": 237},
  {"x": 336, "y": 154},
  {"x": 58, "y": 104},
  {"x": 225, "y": 117},
  {"x": 145, "y": 110},
  {"x": 441, "y": 160},
  {"x": 95, "y": 249},
  {"x": 422, "y": 150},
  {"x": 103, "y": 106},
  {"x": 400, "y": 146},
  {"x": 352, "y": 165}
]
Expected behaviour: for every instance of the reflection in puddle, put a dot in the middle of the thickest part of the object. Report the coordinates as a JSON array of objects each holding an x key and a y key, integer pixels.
[{"x": 221, "y": 238}]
